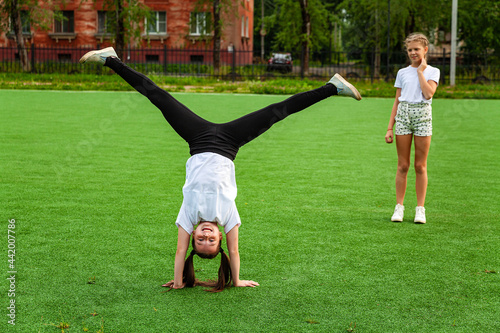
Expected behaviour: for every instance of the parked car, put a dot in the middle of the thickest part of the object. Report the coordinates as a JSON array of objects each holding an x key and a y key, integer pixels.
[{"x": 280, "y": 62}]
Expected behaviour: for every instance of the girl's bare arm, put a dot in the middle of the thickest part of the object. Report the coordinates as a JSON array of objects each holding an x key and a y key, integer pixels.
[
  {"x": 428, "y": 87},
  {"x": 389, "y": 136},
  {"x": 234, "y": 257},
  {"x": 180, "y": 256}
]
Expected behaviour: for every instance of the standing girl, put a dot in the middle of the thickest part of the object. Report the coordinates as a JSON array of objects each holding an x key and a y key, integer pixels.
[
  {"x": 412, "y": 114},
  {"x": 210, "y": 187}
]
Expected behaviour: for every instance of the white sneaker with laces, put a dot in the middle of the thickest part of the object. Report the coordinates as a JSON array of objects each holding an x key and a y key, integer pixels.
[
  {"x": 344, "y": 88},
  {"x": 98, "y": 55},
  {"x": 419, "y": 215},
  {"x": 398, "y": 213}
]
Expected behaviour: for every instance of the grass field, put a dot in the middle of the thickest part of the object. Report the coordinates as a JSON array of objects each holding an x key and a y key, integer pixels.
[{"x": 93, "y": 182}]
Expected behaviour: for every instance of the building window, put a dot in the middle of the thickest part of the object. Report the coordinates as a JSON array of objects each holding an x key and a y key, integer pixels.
[
  {"x": 244, "y": 26},
  {"x": 199, "y": 23},
  {"x": 157, "y": 23},
  {"x": 25, "y": 23},
  {"x": 196, "y": 58},
  {"x": 64, "y": 22},
  {"x": 105, "y": 21},
  {"x": 64, "y": 57},
  {"x": 152, "y": 59}
]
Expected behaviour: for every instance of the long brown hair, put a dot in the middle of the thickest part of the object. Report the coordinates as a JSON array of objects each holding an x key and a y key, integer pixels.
[{"x": 224, "y": 276}]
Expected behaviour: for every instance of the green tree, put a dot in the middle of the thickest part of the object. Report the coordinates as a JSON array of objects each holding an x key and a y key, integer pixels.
[
  {"x": 363, "y": 28},
  {"x": 302, "y": 25},
  {"x": 220, "y": 10},
  {"x": 366, "y": 23},
  {"x": 17, "y": 13},
  {"x": 479, "y": 25},
  {"x": 217, "y": 34},
  {"x": 263, "y": 11},
  {"x": 124, "y": 23},
  {"x": 15, "y": 19}
]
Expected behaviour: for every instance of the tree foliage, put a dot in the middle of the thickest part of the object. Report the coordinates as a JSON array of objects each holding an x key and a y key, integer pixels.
[
  {"x": 381, "y": 25},
  {"x": 220, "y": 9},
  {"x": 39, "y": 14},
  {"x": 367, "y": 21},
  {"x": 287, "y": 20},
  {"x": 262, "y": 23},
  {"x": 14, "y": 14},
  {"x": 479, "y": 25},
  {"x": 124, "y": 22},
  {"x": 302, "y": 25}
]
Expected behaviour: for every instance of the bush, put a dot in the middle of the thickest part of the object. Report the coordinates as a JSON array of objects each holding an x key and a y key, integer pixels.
[{"x": 277, "y": 85}]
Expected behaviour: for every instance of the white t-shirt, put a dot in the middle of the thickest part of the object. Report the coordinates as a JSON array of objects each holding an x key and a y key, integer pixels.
[
  {"x": 209, "y": 192},
  {"x": 407, "y": 80}
]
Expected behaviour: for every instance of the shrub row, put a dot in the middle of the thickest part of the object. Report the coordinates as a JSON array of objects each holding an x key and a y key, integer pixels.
[{"x": 200, "y": 84}]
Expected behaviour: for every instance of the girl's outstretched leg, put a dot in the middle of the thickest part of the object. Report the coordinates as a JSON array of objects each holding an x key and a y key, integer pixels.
[
  {"x": 185, "y": 122},
  {"x": 250, "y": 126}
]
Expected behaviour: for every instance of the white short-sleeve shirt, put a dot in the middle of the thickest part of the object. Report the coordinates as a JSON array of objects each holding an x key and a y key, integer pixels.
[
  {"x": 209, "y": 192},
  {"x": 407, "y": 80}
]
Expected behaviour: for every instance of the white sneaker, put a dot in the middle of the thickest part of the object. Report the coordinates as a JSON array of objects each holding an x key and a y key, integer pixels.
[
  {"x": 98, "y": 55},
  {"x": 398, "y": 213},
  {"x": 419, "y": 215},
  {"x": 344, "y": 88}
]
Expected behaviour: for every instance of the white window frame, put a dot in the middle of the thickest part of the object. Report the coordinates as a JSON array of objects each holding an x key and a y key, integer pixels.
[
  {"x": 159, "y": 21},
  {"x": 65, "y": 25},
  {"x": 200, "y": 24},
  {"x": 244, "y": 26},
  {"x": 102, "y": 29},
  {"x": 25, "y": 23}
]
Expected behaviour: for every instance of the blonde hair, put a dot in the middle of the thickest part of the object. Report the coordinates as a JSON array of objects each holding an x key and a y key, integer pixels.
[{"x": 417, "y": 37}]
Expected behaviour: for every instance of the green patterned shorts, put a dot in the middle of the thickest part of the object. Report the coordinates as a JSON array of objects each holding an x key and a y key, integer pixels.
[{"x": 414, "y": 119}]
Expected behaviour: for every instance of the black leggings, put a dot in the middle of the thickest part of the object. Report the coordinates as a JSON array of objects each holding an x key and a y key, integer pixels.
[{"x": 204, "y": 136}]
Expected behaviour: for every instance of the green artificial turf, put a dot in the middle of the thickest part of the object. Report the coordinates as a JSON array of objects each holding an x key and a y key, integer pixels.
[{"x": 93, "y": 182}]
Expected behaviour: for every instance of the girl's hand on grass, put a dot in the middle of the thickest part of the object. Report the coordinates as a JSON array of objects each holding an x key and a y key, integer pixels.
[
  {"x": 171, "y": 285},
  {"x": 245, "y": 283}
]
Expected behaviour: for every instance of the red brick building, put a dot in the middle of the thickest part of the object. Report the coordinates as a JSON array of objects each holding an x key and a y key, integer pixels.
[{"x": 176, "y": 24}]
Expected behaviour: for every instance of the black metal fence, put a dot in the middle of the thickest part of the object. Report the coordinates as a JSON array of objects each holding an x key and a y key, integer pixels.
[{"x": 238, "y": 65}]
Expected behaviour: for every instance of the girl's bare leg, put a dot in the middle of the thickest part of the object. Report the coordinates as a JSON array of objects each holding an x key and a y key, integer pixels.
[
  {"x": 403, "y": 145},
  {"x": 422, "y": 145}
]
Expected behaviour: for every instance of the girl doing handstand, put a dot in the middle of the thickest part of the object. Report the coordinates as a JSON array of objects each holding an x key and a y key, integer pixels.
[{"x": 210, "y": 188}]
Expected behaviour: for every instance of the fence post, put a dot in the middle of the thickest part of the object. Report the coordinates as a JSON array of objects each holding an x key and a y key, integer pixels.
[
  {"x": 373, "y": 65},
  {"x": 388, "y": 69},
  {"x": 302, "y": 57},
  {"x": 164, "y": 59},
  {"x": 233, "y": 70},
  {"x": 444, "y": 67},
  {"x": 33, "y": 58}
]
